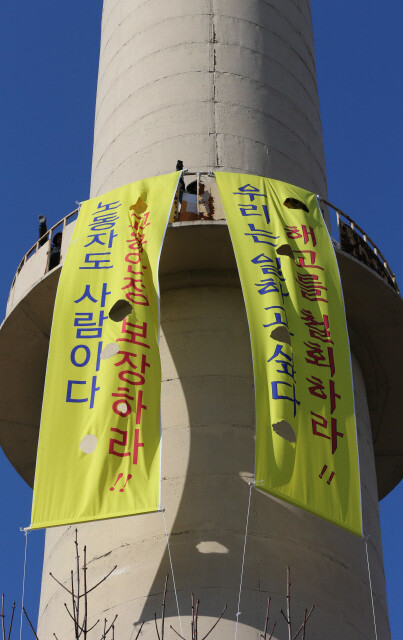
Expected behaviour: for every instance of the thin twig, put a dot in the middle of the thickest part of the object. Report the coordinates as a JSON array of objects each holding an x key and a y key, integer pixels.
[
  {"x": 289, "y": 604},
  {"x": 156, "y": 625},
  {"x": 163, "y": 607},
  {"x": 78, "y": 578},
  {"x": 266, "y": 622},
  {"x": 30, "y": 624},
  {"x": 139, "y": 631},
  {"x": 303, "y": 625},
  {"x": 101, "y": 581},
  {"x": 272, "y": 631},
  {"x": 73, "y": 597},
  {"x": 67, "y": 609},
  {"x": 56, "y": 636},
  {"x": 284, "y": 616},
  {"x": 178, "y": 634},
  {"x": 306, "y": 620},
  {"x": 3, "y": 629},
  {"x": 58, "y": 582},
  {"x": 78, "y": 626},
  {"x": 216, "y": 623},
  {"x": 85, "y": 594},
  {"x": 94, "y": 625},
  {"x": 192, "y": 624},
  {"x": 111, "y": 625},
  {"x": 11, "y": 621},
  {"x": 196, "y": 628}
]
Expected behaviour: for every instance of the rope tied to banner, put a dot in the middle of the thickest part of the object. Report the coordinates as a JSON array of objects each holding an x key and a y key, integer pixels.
[
  {"x": 25, "y": 531},
  {"x": 366, "y": 538},
  {"x": 238, "y": 613},
  {"x": 172, "y": 569}
]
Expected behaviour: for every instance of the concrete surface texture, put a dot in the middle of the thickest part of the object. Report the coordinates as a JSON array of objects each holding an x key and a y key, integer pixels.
[
  {"x": 223, "y": 84},
  {"x": 218, "y": 83}
]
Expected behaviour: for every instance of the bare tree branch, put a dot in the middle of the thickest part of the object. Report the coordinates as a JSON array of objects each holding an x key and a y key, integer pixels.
[
  {"x": 11, "y": 622},
  {"x": 163, "y": 606},
  {"x": 196, "y": 627},
  {"x": 30, "y": 624},
  {"x": 91, "y": 628},
  {"x": 216, "y": 623},
  {"x": 178, "y": 634},
  {"x": 111, "y": 625},
  {"x": 289, "y": 604},
  {"x": 156, "y": 625},
  {"x": 59, "y": 583},
  {"x": 192, "y": 624},
  {"x": 303, "y": 625},
  {"x": 73, "y": 598},
  {"x": 306, "y": 618},
  {"x": 79, "y": 627},
  {"x": 284, "y": 616},
  {"x": 101, "y": 581},
  {"x": 266, "y": 622},
  {"x": 67, "y": 609},
  {"x": 139, "y": 631},
  {"x": 85, "y": 594},
  {"x": 3, "y": 629},
  {"x": 194, "y": 621},
  {"x": 78, "y": 579}
]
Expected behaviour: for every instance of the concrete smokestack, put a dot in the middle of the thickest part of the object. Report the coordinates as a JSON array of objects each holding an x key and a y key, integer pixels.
[
  {"x": 225, "y": 84},
  {"x": 230, "y": 85}
]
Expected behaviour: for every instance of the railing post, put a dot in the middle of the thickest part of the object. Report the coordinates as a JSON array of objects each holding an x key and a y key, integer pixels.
[
  {"x": 338, "y": 223},
  {"x": 197, "y": 193},
  {"x": 49, "y": 250}
]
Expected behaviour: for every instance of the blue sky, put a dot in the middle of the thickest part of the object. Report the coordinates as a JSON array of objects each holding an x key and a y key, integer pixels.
[{"x": 49, "y": 58}]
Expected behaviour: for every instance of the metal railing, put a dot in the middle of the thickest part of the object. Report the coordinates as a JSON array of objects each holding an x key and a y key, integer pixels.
[
  {"x": 204, "y": 206},
  {"x": 46, "y": 238},
  {"x": 377, "y": 261}
]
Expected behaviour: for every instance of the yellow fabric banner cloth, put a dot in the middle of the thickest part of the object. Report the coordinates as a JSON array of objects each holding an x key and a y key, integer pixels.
[
  {"x": 99, "y": 444},
  {"x": 306, "y": 443}
]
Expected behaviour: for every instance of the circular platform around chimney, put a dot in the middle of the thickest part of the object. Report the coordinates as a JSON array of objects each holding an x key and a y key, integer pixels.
[{"x": 374, "y": 314}]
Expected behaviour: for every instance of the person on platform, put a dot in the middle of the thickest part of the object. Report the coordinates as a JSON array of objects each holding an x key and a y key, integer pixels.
[{"x": 54, "y": 257}]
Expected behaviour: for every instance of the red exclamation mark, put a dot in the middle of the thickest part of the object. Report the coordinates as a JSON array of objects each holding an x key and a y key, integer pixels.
[
  {"x": 127, "y": 480},
  {"x": 117, "y": 480},
  {"x": 323, "y": 471},
  {"x": 330, "y": 478}
]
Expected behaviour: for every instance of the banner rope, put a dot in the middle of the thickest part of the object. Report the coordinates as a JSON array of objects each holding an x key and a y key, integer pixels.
[
  {"x": 370, "y": 585},
  {"x": 23, "y": 579},
  {"x": 172, "y": 569},
  {"x": 251, "y": 484}
]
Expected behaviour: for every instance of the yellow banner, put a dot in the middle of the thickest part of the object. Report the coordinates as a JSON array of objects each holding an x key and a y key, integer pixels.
[
  {"x": 99, "y": 444},
  {"x": 306, "y": 444}
]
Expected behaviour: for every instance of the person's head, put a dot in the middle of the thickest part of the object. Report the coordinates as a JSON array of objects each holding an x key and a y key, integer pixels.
[{"x": 57, "y": 239}]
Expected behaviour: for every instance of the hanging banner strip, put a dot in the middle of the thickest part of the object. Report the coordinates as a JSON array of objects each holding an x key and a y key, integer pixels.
[
  {"x": 99, "y": 444},
  {"x": 306, "y": 443}
]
